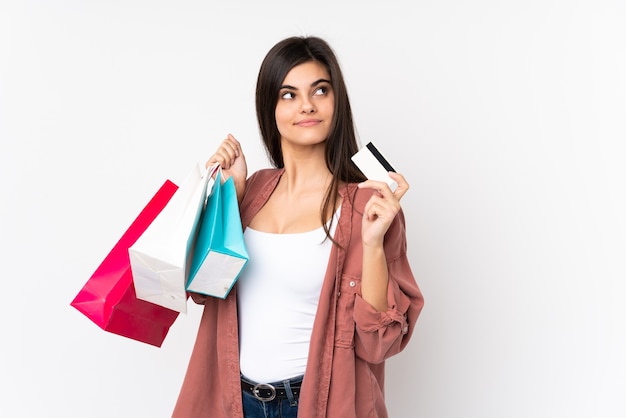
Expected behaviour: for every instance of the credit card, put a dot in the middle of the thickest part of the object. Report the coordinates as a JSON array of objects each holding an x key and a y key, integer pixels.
[{"x": 374, "y": 166}]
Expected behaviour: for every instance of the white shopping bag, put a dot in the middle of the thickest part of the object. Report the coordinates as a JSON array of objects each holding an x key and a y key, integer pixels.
[{"x": 161, "y": 257}]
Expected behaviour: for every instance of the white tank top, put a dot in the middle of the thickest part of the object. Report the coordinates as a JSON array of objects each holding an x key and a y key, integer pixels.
[{"x": 278, "y": 293}]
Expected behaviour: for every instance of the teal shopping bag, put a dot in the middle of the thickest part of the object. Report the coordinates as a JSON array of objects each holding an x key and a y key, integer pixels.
[{"x": 220, "y": 253}]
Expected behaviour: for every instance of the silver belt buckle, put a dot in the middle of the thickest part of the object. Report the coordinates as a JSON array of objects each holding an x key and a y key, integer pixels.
[{"x": 255, "y": 391}]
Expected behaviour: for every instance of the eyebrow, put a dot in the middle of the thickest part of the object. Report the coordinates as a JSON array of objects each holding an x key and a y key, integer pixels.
[{"x": 313, "y": 84}]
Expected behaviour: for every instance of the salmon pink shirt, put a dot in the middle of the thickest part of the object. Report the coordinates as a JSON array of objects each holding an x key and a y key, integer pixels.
[{"x": 350, "y": 340}]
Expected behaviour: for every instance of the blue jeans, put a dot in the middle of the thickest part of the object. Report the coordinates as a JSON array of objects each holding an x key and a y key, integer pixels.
[{"x": 279, "y": 407}]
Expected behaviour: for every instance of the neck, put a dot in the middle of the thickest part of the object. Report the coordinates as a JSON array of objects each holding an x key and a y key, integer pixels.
[{"x": 305, "y": 173}]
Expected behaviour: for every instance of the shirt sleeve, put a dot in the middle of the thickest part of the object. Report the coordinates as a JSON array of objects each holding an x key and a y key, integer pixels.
[{"x": 380, "y": 335}]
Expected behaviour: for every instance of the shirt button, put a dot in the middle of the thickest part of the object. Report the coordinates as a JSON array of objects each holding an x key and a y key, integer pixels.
[{"x": 352, "y": 284}]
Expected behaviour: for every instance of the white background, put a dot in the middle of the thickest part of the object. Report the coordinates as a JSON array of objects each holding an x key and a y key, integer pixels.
[{"x": 507, "y": 117}]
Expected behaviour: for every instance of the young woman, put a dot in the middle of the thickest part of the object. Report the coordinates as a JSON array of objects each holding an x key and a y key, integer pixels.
[{"x": 328, "y": 293}]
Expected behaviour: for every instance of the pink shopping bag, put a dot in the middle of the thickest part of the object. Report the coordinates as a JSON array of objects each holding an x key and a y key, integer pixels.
[{"x": 108, "y": 298}]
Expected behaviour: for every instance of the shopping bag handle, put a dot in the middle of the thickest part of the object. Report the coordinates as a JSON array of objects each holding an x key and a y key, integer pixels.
[
  {"x": 212, "y": 169},
  {"x": 215, "y": 168},
  {"x": 208, "y": 174}
]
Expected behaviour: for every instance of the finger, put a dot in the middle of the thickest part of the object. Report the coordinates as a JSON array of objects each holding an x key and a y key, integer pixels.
[
  {"x": 226, "y": 154},
  {"x": 375, "y": 211},
  {"x": 403, "y": 185},
  {"x": 221, "y": 157},
  {"x": 379, "y": 207},
  {"x": 380, "y": 186},
  {"x": 230, "y": 138}
]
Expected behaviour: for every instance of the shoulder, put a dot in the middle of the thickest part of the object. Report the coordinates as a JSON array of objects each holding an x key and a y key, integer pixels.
[
  {"x": 358, "y": 198},
  {"x": 263, "y": 177},
  {"x": 259, "y": 186}
]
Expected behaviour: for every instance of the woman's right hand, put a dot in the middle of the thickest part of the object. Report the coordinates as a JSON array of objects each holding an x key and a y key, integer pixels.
[{"x": 230, "y": 157}]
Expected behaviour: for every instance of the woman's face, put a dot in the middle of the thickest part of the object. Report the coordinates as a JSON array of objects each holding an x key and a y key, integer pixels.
[{"x": 304, "y": 111}]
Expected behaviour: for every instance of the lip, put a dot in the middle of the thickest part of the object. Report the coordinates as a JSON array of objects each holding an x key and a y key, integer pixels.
[{"x": 309, "y": 122}]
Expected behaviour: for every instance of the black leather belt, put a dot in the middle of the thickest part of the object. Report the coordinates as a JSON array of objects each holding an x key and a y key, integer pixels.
[{"x": 266, "y": 392}]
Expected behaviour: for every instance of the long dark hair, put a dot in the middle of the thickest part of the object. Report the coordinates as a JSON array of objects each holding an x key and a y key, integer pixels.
[{"x": 341, "y": 143}]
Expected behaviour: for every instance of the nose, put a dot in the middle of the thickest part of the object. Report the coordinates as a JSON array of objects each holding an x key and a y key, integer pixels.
[{"x": 307, "y": 106}]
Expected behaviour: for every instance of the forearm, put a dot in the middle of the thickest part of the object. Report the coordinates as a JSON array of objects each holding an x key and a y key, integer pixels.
[
  {"x": 240, "y": 187},
  {"x": 375, "y": 277}
]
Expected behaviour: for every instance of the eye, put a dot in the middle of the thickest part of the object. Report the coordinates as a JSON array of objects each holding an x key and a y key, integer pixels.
[
  {"x": 287, "y": 95},
  {"x": 320, "y": 91}
]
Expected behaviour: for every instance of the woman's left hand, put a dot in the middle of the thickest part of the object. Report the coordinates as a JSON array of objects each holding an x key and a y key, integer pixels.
[{"x": 382, "y": 208}]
